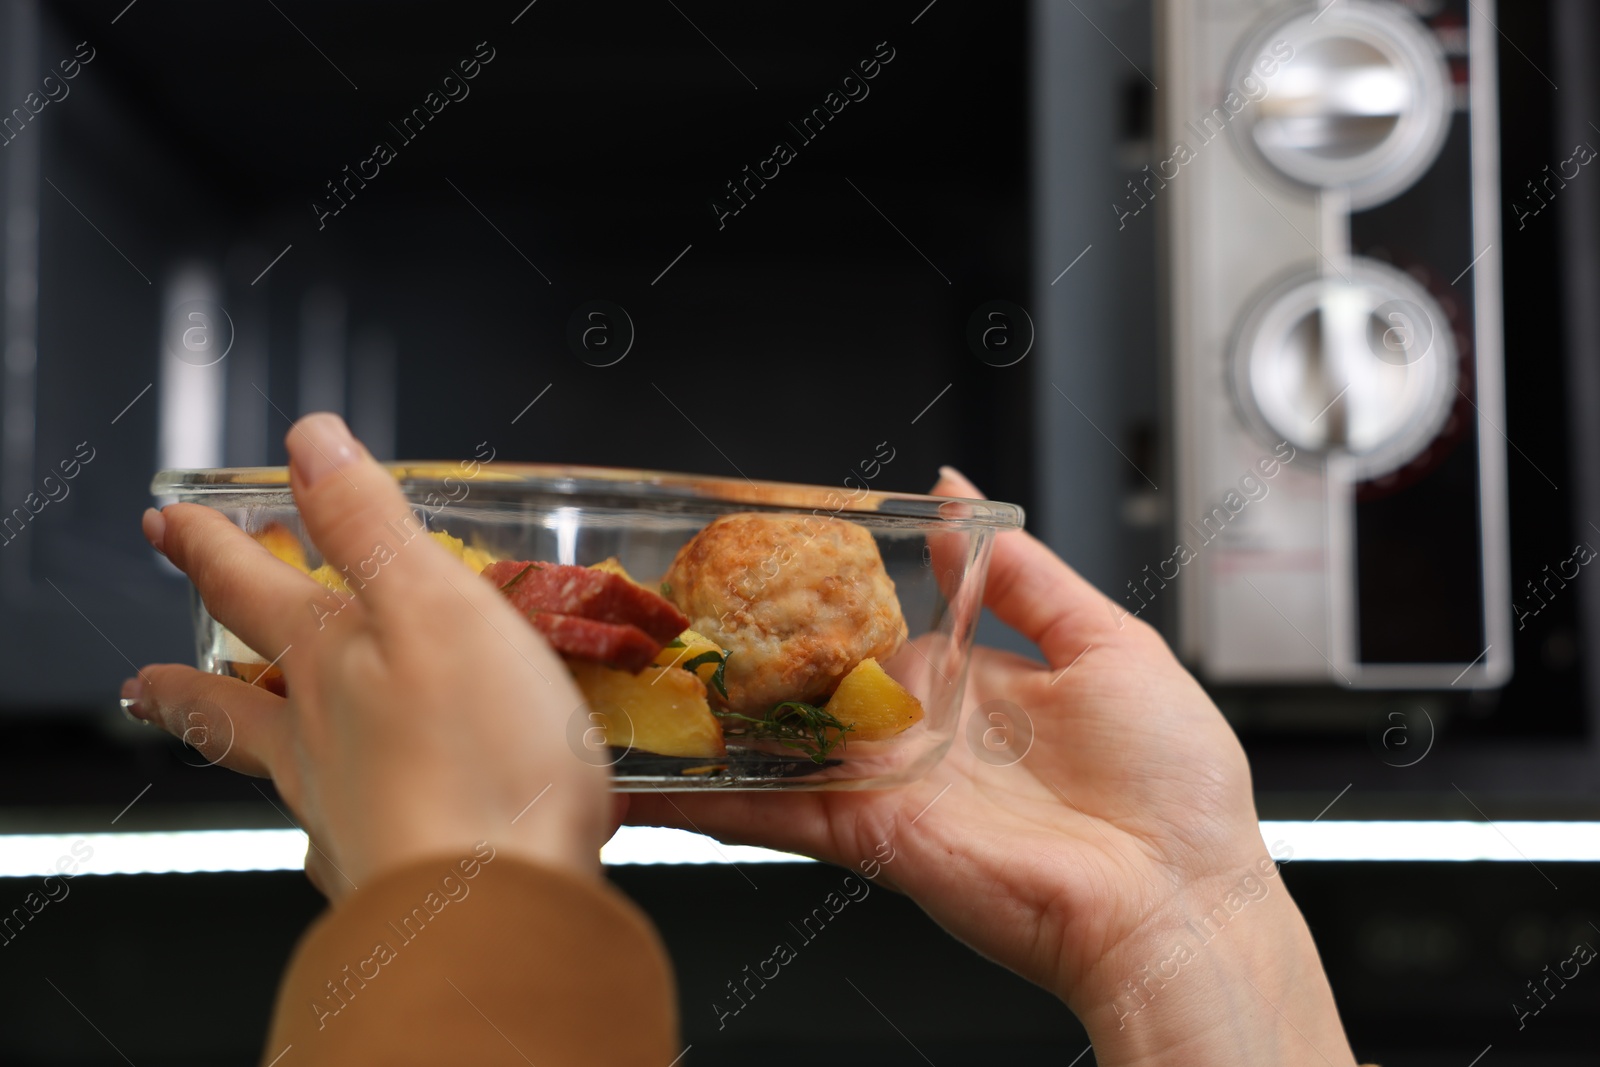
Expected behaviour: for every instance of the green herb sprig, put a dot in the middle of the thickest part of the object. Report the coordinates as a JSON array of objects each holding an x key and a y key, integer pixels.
[
  {"x": 810, "y": 728},
  {"x": 718, "y": 676},
  {"x": 523, "y": 573}
]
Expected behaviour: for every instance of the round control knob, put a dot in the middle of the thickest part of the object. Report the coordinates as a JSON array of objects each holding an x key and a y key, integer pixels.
[
  {"x": 1363, "y": 364},
  {"x": 1363, "y": 104}
]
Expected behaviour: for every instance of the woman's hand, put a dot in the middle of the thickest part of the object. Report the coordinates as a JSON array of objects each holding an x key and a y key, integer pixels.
[
  {"x": 1079, "y": 865},
  {"x": 423, "y": 717}
]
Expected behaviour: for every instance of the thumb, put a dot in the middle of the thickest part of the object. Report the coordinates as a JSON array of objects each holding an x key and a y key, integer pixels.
[
  {"x": 354, "y": 510},
  {"x": 1032, "y": 590}
]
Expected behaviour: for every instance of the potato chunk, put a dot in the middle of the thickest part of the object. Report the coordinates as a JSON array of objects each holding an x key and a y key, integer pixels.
[
  {"x": 875, "y": 703},
  {"x": 329, "y": 577},
  {"x": 666, "y": 709},
  {"x": 612, "y": 565},
  {"x": 281, "y": 542},
  {"x": 475, "y": 558}
]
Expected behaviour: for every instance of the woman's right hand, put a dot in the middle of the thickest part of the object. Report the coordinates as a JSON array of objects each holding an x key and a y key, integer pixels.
[{"x": 1080, "y": 865}]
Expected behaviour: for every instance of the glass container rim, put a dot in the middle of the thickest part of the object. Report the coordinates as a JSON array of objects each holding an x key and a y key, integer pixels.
[{"x": 645, "y": 488}]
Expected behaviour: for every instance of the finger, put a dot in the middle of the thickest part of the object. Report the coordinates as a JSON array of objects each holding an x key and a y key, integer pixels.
[
  {"x": 357, "y": 516},
  {"x": 950, "y": 550},
  {"x": 1032, "y": 590},
  {"x": 246, "y": 588},
  {"x": 231, "y": 724},
  {"x": 325, "y": 876},
  {"x": 317, "y": 869}
]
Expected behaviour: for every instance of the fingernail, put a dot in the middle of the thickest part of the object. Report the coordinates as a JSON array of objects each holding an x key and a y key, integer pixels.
[
  {"x": 155, "y": 528},
  {"x": 319, "y": 445},
  {"x": 950, "y": 473},
  {"x": 132, "y": 693}
]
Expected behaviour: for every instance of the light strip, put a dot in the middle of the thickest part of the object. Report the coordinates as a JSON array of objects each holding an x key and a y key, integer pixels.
[
  {"x": 658, "y": 844},
  {"x": 216, "y": 851},
  {"x": 181, "y": 851},
  {"x": 1437, "y": 841}
]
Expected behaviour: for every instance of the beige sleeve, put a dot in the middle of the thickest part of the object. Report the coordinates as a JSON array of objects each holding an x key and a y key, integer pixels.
[{"x": 513, "y": 964}]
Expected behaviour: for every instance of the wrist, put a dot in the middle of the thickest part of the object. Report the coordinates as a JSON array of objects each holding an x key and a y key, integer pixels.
[
  {"x": 563, "y": 828},
  {"x": 562, "y": 840},
  {"x": 1226, "y": 973}
]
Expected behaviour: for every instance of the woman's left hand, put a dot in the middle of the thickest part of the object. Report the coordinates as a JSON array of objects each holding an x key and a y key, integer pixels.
[{"x": 424, "y": 714}]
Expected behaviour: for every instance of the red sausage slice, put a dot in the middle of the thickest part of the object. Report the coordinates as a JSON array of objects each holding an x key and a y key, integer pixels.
[
  {"x": 560, "y": 589},
  {"x": 619, "y": 645}
]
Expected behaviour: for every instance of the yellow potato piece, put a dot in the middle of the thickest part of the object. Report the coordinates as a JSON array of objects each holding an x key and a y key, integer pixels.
[
  {"x": 281, "y": 542},
  {"x": 328, "y": 575},
  {"x": 476, "y": 558},
  {"x": 612, "y": 565},
  {"x": 665, "y": 709},
  {"x": 875, "y": 703},
  {"x": 454, "y": 545},
  {"x": 694, "y": 644}
]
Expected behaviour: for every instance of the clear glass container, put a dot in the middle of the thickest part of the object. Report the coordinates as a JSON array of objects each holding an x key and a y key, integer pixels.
[{"x": 933, "y": 550}]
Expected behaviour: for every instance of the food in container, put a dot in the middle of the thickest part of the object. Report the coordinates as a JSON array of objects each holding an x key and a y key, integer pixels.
[{"x": 724, "y": 633}]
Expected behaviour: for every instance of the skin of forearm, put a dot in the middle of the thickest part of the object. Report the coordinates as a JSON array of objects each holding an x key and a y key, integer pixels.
[{"x": 1226, "y": 973}]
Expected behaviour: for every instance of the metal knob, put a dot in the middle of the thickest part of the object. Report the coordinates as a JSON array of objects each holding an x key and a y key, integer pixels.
[
  {"x": 1363, "y": 365},
  {"x": 1363, "y": 104}
]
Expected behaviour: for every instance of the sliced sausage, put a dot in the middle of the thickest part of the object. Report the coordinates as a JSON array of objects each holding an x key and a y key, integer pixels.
[
  {"x": 619, "y": 645},
  {"x": 560, "y": 589}
]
